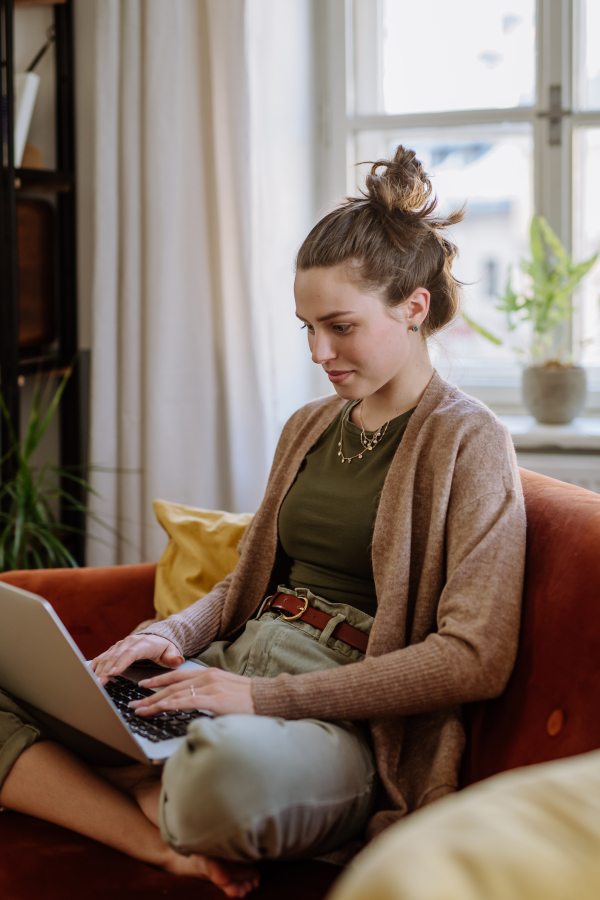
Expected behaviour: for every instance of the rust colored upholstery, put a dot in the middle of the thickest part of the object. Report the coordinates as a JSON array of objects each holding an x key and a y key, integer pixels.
[
  {"x": 97, "y": 606},
  {"x": 44, "y": 862},
  {"x": 548, "y": 711}
]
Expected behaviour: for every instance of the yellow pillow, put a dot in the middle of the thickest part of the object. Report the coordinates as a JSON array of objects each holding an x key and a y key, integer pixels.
[{"x": 202, "y": 550}]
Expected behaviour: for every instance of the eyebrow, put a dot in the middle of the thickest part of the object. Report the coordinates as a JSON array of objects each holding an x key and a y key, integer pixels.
[{"x": 332, "y": 315}]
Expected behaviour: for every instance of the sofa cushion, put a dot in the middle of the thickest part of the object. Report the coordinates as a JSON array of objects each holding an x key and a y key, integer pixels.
[
  {"x": 530, "y": 834},
  {"x": 202, "y": 550}
]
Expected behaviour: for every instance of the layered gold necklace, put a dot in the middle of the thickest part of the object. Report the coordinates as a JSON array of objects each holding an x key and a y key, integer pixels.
[{"x": 367, "y": 443}]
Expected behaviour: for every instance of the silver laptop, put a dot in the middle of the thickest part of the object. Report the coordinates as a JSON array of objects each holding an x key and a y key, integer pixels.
[{"x": 41, "y": 664}]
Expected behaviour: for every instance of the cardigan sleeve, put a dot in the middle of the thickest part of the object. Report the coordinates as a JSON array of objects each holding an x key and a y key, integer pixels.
[
  {"x": 469, "y": 657},
  {"x": 195, "y": 627},
  {"x": 198, "y": 625}
]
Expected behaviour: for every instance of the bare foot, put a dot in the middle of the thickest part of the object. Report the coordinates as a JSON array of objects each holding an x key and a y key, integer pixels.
[
  {"x": 234, "y": 879},
  {"x": 142, "y": 783}
]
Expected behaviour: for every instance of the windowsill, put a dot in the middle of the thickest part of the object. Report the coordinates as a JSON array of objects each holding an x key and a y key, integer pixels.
[
  {"x": 583, "y": 434},
  {"x": 499, "y": 386}
]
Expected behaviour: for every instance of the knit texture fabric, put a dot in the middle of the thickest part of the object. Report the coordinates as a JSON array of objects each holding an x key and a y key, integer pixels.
[{"x": 448, "y": 562}]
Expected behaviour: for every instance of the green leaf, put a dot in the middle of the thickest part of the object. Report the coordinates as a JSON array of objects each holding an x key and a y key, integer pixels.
[
  {"x": 552, "y": 276},
  {"x": 43, "y": 427},
  {"x": 581, "y": 269},
  {"x": 509, "y": 302},
  {"x": 551, "y": 239},
  {"x": 30, "y": 536},
  {"x": 536, "y": 244},
  {"x": 11, "y": 432},
  {"x": 481, "y": 330}
]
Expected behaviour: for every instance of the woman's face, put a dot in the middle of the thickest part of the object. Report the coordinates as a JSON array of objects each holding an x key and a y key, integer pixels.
[{"x": 363, "y": 345}]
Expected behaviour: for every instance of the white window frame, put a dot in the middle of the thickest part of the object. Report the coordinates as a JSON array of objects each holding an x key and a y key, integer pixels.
[{"x": 337, "y": 124}]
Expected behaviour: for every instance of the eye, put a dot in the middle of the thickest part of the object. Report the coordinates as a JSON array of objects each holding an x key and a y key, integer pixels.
[
  {"x": 311, "y": 330},
  {"x": 341, "y": 329}
]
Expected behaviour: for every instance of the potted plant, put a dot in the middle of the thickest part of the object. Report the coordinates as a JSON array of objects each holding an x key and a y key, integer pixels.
[
  {"x": 31, "y": 537},
  {"x": 553, "y": 387}
]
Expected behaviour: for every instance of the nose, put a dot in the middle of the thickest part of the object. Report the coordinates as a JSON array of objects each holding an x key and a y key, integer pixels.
[{"x": 321, "y": 348}]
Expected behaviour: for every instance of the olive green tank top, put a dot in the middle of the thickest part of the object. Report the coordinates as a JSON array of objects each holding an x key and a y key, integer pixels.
[{"x": 327, "y": 517}]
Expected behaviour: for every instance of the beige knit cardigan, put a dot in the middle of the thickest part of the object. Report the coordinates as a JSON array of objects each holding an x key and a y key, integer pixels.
[{"x": 448, "y": 559}]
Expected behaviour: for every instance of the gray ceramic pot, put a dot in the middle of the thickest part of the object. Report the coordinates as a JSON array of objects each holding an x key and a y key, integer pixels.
[{"x": 554, "y": 395}]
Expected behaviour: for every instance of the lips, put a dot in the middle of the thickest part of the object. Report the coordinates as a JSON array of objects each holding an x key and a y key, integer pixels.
[{"x": 336, "y": 377}]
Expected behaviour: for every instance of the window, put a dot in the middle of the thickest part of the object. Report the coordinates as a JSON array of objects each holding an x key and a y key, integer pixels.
[{"x": 501, "y": 102}]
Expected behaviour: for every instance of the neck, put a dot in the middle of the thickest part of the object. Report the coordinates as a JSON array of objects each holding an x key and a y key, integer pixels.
[{"x": 399, "y": 395}]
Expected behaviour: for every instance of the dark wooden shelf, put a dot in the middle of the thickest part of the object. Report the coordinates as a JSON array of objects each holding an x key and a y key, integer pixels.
[
  {"x": 38, "y": 2},
  {"x": 30, "y": 365},
  {"x": 60, "y": 184},
  {"x": 43, "y": 180}
]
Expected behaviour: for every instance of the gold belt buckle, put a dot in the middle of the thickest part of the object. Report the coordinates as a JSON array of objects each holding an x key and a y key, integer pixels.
[{"x": 298, "y": 615}]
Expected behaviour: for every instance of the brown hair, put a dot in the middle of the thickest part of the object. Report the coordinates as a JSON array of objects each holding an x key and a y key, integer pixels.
[{"x": 391, "y": 240}]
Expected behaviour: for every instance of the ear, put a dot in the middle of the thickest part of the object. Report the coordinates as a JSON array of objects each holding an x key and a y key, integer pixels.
[{"x": 417, "y": 306}]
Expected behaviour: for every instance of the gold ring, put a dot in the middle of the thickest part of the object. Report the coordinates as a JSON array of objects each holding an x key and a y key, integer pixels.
[
  {"x": 298, "y": 615},
  {"x": 192, "y": 691}
]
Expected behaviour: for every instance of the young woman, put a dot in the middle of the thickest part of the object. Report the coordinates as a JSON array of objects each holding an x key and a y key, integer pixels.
[{"x": 378, "y": 588}]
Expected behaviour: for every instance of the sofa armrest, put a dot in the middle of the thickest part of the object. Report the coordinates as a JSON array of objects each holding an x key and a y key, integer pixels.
[
  {"x": 549, "y": 709},
  {"x": 98, "y": 606}
]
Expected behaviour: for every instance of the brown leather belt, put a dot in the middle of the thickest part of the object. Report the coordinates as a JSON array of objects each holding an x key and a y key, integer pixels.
[{"x": 298, "y": 608}]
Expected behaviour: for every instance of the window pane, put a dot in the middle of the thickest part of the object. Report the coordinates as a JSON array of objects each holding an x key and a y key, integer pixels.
[
  {"x": 479, "y": 55},
  {"x": 588, "y": 58},
  {"x": 586, "y": 222},
  {"x": 490, "y": 168}
]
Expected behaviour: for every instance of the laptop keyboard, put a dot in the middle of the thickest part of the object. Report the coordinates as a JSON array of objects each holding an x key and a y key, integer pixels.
[{"x": 163, "y": 726}]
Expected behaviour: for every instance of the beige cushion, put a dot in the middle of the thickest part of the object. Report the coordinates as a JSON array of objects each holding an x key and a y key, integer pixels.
[
  {"x": 202, "y": 550},
  {"x": 531, "y": 834}
]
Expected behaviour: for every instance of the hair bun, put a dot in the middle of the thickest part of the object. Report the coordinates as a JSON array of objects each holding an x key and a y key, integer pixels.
[
  {"x": 403, "y": 185},
  {"x": 390, "y": 242}
]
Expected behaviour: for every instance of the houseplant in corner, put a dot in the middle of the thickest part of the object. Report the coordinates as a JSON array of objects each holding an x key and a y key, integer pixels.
[
  {"x": 554, "y": 388},
  {"x": 31, "y": 537}
]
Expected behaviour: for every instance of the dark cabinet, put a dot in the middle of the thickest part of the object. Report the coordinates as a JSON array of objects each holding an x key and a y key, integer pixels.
[
  {"x": 36, "y": 235},
  {"x": 38, "y": 288}
]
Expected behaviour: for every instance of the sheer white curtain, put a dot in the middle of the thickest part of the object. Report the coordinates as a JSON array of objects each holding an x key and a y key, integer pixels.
[
  {"x": 279, "y": 40},
  {"x": 192, "y": 244}
]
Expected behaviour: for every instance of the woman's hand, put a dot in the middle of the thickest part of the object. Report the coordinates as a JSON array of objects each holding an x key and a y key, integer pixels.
[
  {"x": 220, "y": 692},
  {"x": 137, "y": 646}
]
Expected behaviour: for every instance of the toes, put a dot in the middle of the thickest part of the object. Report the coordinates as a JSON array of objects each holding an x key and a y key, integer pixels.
[
  {"x": 234, "y": 880},
  {"x": 237, "y": 890},
  {"x": 217, "y": 874}
]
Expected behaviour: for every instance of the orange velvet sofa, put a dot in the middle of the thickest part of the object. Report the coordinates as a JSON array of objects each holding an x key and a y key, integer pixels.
[{"x": 549, "y": 709}]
